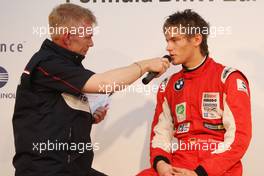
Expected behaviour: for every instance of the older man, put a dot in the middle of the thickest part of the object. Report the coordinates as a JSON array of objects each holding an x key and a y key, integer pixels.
[{"x": 52, "y": 119}]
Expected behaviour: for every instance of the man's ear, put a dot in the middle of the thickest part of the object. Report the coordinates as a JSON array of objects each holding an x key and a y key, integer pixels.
[
  {"x": 197, "y": 40},
  {"x": 66, "y": 39}
]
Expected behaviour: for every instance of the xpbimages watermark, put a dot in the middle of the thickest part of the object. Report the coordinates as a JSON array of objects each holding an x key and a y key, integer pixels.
[
  {"x": 205, "y": 145},
  {"x": 41, "y": 31},
  {"x": 80, "y": 147},
  {"x": 212, "y": 31},
  {"x": 139, "y": 88}
]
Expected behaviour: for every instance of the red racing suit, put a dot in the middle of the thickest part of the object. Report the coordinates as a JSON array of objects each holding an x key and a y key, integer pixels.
[{"x": 208, "y": 107}]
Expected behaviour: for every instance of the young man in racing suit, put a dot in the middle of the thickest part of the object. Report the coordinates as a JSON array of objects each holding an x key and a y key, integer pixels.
[{"x": 206, "y": 106}]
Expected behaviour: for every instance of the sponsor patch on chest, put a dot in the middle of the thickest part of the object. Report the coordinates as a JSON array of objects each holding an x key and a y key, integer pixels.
[
  {"x": 215, "y": 127},
  {"x": 179, "y": 84},
  {"x": 181, "y": 111},
  {"x": 211, "y": 105},
  {"x": 183, "y": 128}
]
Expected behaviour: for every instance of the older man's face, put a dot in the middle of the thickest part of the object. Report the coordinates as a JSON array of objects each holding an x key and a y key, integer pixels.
[{"x": 81, "y": 42}]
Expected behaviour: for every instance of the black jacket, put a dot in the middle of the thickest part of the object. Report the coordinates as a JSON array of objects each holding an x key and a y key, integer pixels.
[{"x": 52, "y": 114}]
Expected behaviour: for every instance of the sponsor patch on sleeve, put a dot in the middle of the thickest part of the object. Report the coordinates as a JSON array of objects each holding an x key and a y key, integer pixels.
[
  {"x": 226, "y": 72},
  {"x": 241, "y": 86}
]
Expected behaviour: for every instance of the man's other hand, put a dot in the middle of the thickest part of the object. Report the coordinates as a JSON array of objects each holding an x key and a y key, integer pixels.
[{"x": 99, "y": 114}]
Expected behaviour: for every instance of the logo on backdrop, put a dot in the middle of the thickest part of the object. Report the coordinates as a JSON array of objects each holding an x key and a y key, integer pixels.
[
  {"x": 11, "y": 47},
  {"x": 3, "y": 81},
  {"x": 3, "y": 77}
]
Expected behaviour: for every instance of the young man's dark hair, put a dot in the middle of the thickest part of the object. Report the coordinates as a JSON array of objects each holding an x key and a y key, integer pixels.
[{"x": 192, "y": 23}]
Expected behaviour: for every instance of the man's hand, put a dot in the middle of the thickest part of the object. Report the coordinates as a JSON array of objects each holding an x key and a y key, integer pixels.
[
  {"x": 184, "y": 172},
  {"x": 159, "y": 65},
  {"x": 165, "y": 169},
  {"x": 99, "y": 114}
]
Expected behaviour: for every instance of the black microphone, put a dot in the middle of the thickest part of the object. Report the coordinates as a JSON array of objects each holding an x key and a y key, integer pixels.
[{"x": 152, "y": 75}]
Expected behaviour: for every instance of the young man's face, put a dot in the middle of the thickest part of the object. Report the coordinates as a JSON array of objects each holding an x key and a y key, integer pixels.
[
  {"x": 180, "y": 48},
  {"x": 81, "y": 42}
]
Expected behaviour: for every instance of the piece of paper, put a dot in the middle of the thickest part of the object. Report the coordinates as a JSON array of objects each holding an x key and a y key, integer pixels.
[{"x": 98, "y": 100}]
